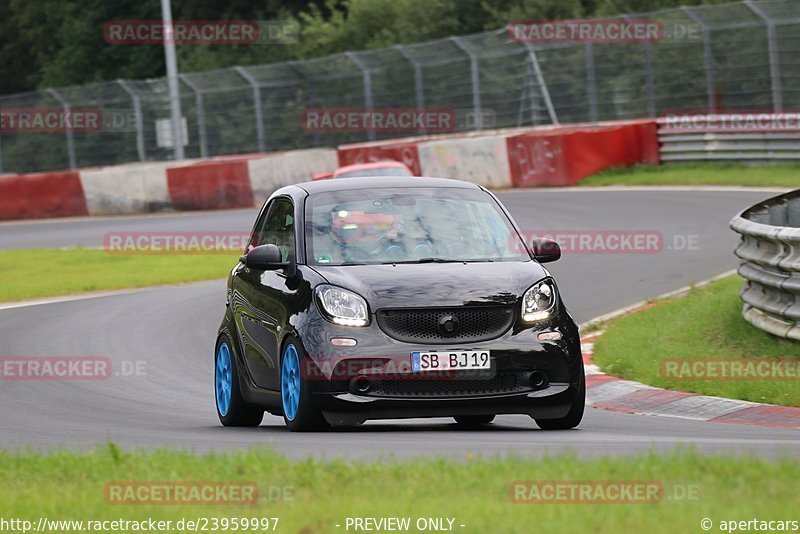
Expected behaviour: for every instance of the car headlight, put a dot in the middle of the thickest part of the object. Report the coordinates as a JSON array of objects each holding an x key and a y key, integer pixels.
[
  {"x": 539, "y": 301},
  {"x": 343, "y": 307}
]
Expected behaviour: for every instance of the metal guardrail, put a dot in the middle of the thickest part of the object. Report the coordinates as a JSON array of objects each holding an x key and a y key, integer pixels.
[
  {"x": 770, "y": 254},
  {"x": 711, "y": 139}
]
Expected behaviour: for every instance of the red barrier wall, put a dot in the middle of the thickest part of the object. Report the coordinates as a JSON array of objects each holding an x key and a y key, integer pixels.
[
  {"x": 216, "y": 184},
  {"x": 41, "y": 195},
  {"x": 405, "y": 152},
  {"x": 564, "y": 156}
]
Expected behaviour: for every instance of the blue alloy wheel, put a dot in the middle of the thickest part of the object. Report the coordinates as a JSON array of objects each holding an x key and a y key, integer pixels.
[
  {"x": 223, "y": 379},
  {"x": 290, "y": 382}
]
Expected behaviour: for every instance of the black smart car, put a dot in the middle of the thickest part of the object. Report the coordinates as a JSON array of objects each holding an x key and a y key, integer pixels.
[{"x": 390, "y": 297}]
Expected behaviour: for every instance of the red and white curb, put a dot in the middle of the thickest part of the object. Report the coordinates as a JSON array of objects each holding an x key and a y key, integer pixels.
[{"x": 616, "y": 394}]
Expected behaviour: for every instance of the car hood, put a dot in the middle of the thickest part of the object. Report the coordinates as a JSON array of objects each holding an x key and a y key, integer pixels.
[{"x": 436, "y": 284}]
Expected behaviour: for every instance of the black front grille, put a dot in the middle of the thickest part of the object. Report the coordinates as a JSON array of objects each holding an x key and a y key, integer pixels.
[
  {"x": 501, "y": 383},
  {"x": 472, "y": 324}
]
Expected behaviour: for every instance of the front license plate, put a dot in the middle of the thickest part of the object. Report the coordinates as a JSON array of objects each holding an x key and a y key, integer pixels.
[{"x": 448, "y": 361}]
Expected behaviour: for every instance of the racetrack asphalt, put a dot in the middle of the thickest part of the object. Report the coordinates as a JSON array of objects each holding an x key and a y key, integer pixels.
[{"x": 169, "y": 332}]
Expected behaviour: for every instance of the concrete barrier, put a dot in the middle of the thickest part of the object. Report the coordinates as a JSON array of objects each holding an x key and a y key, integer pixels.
[
  {"x": 41, "y": 195},
  {"x": 273, "y": 171},
  {"x": 220, "y": 183},
  {"x": 519, "y": 157},
  {"x": 402, "y": 150},
  {"x": 480, "y": 160},
  {"x": 124, "y": 189},
  {"x": 563, "y": 156}
]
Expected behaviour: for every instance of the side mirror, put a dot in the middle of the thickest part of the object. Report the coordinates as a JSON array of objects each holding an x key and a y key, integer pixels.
[
  {"x": 546, "y": 250},
  {"x": 263, "y": 258}
]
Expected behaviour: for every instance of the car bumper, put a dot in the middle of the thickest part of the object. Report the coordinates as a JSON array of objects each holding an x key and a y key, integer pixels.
[
  {"x": 351, "y": 409},
  {"x": 505, "y": 389}
]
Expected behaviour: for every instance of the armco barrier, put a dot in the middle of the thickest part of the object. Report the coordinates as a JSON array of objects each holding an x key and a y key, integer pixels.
[
  {"x": 215, "y": 184},
  {"x": 132, "y": 188},
  {"x": 740, "y": 136},
  {"x": 562, "y": 156},
  {"x": 273, "y": 171},
  {"x": 770, "y": 254},
  {"x": 39, "y": 195}
]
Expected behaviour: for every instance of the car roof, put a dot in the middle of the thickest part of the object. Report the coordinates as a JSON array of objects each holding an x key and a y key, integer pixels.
[{"x": 375, "y": 182}]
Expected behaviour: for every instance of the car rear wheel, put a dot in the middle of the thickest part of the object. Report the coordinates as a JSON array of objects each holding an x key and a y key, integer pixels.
[
  {"x": 231, "y": 407},
  {"x": 573, "y": 417},
  {"x": 473, "y": 420},
  {"x": 299, "y": 412}
]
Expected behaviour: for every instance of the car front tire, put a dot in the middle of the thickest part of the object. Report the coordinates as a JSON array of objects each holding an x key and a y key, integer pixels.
[
  {"x": 299, "y": 411},
  {"x": 573, "y": 417},
  {"x": 231, "y": 407}
]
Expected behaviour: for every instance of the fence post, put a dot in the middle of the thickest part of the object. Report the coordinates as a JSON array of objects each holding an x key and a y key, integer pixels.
[
  {"x": 262, "y": 144},
  {"x": 591, "y": 81},
  {"x": 311, "y": 91},
  {"x": 137, "y": 112},
  {"x": 476, "y": 83},
  {"x": 648, "y": 75},
  {"x": 70, "y": 139},
  {"x": 201, "y": 115},
  {"x": 307, "y": 79},
  {"x": 708, "y": 54},
  {"x": 367, "y": 78},
  {"x": 419, "y": 88},
  {"x": 548, "y": 102},
  {"x": 774, "y": 56}
]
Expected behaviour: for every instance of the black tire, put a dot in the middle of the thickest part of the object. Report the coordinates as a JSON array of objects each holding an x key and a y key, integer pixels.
[
  {"x": 573, "y": 417},
  {"x": 307, "y": 417},
  {"x": 239, "y": 412},
  {"x": 473, "y": 420}
]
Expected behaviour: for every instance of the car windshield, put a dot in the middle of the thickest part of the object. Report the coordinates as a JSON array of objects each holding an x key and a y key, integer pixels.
[
  {"x": 408, "y": 225},
  {"x": 377, "y": 171}
]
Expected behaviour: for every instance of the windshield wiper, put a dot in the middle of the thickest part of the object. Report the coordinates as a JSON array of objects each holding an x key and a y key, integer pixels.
[{"x": 424, "y": 260}]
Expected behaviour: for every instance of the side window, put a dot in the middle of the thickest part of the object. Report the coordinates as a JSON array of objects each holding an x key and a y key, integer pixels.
[
  {"x": 279, "y": 227},
  {"x": 258, "y": 229}
]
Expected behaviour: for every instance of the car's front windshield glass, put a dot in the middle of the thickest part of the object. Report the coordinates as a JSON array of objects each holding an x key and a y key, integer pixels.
[{"x": 408, "y": 225}]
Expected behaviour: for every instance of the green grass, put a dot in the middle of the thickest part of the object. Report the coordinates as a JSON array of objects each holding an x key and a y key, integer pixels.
[
  {"x": 700, "y": 174},
  {"x": 321, "y": 494},
  {"x": 35, "y": 273},
  {"x": 707, "y": 323}
]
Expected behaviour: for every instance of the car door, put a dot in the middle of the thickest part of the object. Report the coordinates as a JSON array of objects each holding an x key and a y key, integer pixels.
[{"x": 260, "y": 297}]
